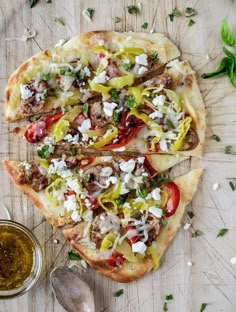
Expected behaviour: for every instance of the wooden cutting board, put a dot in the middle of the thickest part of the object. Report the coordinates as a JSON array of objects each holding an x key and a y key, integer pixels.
[{"x": 211, "y": 278}]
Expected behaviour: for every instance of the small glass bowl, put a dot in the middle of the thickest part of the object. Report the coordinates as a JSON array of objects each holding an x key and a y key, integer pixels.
[{"x": 36, "y": 266}]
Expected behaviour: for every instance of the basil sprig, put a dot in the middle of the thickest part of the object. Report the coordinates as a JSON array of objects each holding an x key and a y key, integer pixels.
[{"x": 226, "y": 34}]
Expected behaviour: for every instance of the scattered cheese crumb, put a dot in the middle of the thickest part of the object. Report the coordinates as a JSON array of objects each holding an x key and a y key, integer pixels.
[
  {"x": 152, "y": 31},
  {"x": 139, "y": 247},
  {"x": 189, "y": 263},
  {"x": 207, "y": 57},
  {"x": 109, "y": 108},
  {"x": 215, "y": 186},
  {"x": 56, "y": 241},
  {"x": 60, "y": 43},
  {"x": 233, "y": 260},
  {"x": 187, "y": 226},
  {"x": 141, "y": 59}
]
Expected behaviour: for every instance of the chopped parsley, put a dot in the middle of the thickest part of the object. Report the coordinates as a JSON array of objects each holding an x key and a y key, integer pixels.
[
  {"x": 190, "y": 214},
  {"x": 48, "y": 1},
  {"x": 74, "y": 256},
  {"x": 32, "y": 3},
  {"x": 222, "y": 232},
  {"x": 85, "y": 109},
  {"x": 169, "y": 297},
  {"x": 45, "y": 77},
  {"x": 232, "y": 183},
  {"x": 121, "y": 200},
  {"x": 146, "y": 111},
  {"x": 145, "y": 25},
  {"x": 43, "y": 151},
  {"x": 114, "y": 95},
  {"x": 116, "y": 117},
  {"x": 165, "y": 307},
  {"x": 87, "y": 178},
  {"x": 65, "y": 72},
  {"x": 175, "y": 13},
  {"x": 229, "y": 150},
  {"x": 169, "y": 124},
  {"x": 141, "y": 192},
  {"x": 119, "y": 292},
  {"x": 59, "y": 21},
  {"x": 129, "y": 102},
  {"x": 203, "y": 307},
  {"x": 215, "y": 137},
  {"x": 73, "y": 151},
  {"x": 197, "y": 233},
  {"x": 127, "y": 66},
  {"x": 161, "y": 178},
  {"x": 190, "y": 12},
  {"x": 191, "y": 22},
  {"x": 117, "y": 19},
  {"x": 163, "y": 221},
  {"x": 89, "y": 12},
  {"x": 155, "y": 57},
  {"x": 133, "y": 9}
]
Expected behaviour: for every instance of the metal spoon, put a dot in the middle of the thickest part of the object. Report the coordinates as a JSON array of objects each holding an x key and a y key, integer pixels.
[{"x": 71, "y": 292}]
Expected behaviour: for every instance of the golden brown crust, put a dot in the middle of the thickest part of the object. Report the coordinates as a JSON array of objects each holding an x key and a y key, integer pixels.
[{"x": 131, "y": 271}]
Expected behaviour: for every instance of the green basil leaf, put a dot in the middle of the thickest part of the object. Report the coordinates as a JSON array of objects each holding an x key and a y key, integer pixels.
[
  {"x": 228, "y": 53},
  {"x": 32, "y": 3},
  {"x": 43, "y": 152},
  {"x": 222, "y": 232},
  {"x": 85, "y": 109},
  {"x": 203, "y": 307},
  {"x": 118, "y": 293},
  {"x": 231, "y": 71},
  {"x": 74, "y": 256},
  {"x": 220, "y": 71},
  {"x": 226, "y": 34}
]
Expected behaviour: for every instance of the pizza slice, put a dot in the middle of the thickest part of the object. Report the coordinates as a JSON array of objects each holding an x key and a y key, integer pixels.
[
  {"x": 163, "y": 115},
  {"x": 64, "y": 188},
  {"x": 58, "y": 77},
  {"x": 128, "y": 243}
]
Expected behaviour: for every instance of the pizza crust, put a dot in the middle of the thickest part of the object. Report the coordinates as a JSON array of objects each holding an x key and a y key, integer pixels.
[{"x": 132, "y": 271}]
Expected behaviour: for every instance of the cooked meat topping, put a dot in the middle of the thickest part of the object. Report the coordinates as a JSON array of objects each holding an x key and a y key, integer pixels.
[
  {"x": 97, "y": 115},
  {"x": 34, "y": 175},
  {"x": 71, "y": 162},
  {"x": 191, "y": 141},
  {"x": 163, "y": 79},
  {"x": 91, "y": 96}
]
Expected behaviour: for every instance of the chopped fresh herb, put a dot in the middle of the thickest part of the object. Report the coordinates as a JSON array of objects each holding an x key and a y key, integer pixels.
[
  {"x": 141, "y": 192},
  {"x": 65, "y": 72},
  {"x": 203, "y": 307},
  {"x": 87, "y": 178},
  {"x": 116, "y": 117},
  {"x": 37, "y": 117},
  {"x": 165, "y": 307},
  {"x": 129, "y": 102},
  {"x": 190, "y": 214},
  {"x": 175, "y": 13},
  {"x": 45, "y": 77},
  {"x": 73, "y": 151},
  {"x": 191, "y": 22},
  {"x": 232, "y": 185},
  {"x": 163, "y": 221},
  {"x": 155, "y": 57},
  {"x": 197, "y": 233},
  {"x": 85, "y": 109},
  {"x": 89, "y": 12},
  {"x": 121, "y": 200},
  {"x": 226, "y": 34},
  {"x": 66, "y": 109},
  {"x": 59, "y": 21},
  {"x": 146, "y": 111},
  {"x": 127, "y": 66},
  {"x": 229, "y": 150},
  {"x": 169, "y": 124},
  {"x": 133, "y": 9},
  {"x": 169, "y": 297},
  {"x": 215, "y": 137},
  {"x": 161, "y": 178},
  {"x": 190, "y": 12},
  {"x": 43, "y": 152},
  {"x": 145, "y": 25},
  {"x": 32, "y": 3},
  {"x": 118, "y": 293},
  {"x": 117, "y": 19},
  {"x": 222, "y": 232},
  {"x": 48, "y": 1},
  {"x": 114, "y": 95},
  {"x": 74, "y": 256}
]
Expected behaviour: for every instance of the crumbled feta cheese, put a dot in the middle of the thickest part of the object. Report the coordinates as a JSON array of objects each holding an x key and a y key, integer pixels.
[
  {"x": 106, "y": 172},
  {"x": 127, "y": 205},
  {"x": 86, "y": 125},
  {"x": 173, "y": 62},
  {"x": 163, "y": 145},
  {"x": 141, "y": 59},
  {"x": 56, "y": 241},
  {"x": 88, "y": 215},
  {"x": 187, "y": 226},
  {"x": 66, "y": 82},
  {"x": 189, "y": 263},
  {"x": 75, "y": 216},
  {"x": 59, "y": 167},
  {"x": 73, "y": 185},
  {"x": 101, "y": 78},
  {"x": 87, "y": 71},
  {"x": 157, "y": 212},
  {"x": 107, "y": 158},
  {"x": 142, "y": 70},
  {"x": 233, "y": 260},
  {"x": 71, "y": 139},
  {"x": 26, "y": 165},
  {"x": 25, "y": 92},
  {"x": 127, "y": 166},
  {"x": 40, "y": 96},
  {"x": 113, "y": 180},
  {"x": 140, "y": 160},
  {"x": 207, "y": 57},
  {"x": 215, "y": 186},
  {"x": 109, "y": 108},
  {"x": 139, "y": 247},
  {"x": 156, "y": 194},
  {"x": 87, "y": 203},
  {"x": 139, "y": 200},
  {"x": 159, "y": 100},
  {"x": 123, "y": 189},
  {"x": 70, "y": 203},
  {"x": 152, "y": 31},
  {"x": 156, "y": 114}
]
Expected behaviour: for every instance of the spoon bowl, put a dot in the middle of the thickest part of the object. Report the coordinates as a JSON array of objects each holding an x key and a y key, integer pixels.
[{"x": 71, "y": 292}]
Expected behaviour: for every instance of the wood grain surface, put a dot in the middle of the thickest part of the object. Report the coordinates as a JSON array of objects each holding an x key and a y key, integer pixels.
[{"x": 211, "y": 278}]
